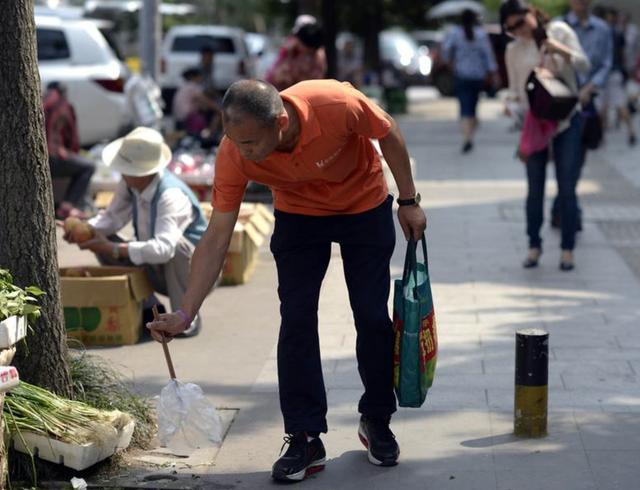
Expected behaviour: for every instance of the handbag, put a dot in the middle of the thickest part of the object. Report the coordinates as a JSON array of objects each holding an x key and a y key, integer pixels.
[
  {"x": 592, "y": 131},
  {"x": 536, "y": 135},
  {"x": 414, "y": 326},
  {"x": 549, "y": 97}
]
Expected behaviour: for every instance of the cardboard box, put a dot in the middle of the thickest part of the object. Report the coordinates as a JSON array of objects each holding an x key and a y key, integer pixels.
[
  {"x": 254, "y": 224},
  {"x": 106, "y": 307}
]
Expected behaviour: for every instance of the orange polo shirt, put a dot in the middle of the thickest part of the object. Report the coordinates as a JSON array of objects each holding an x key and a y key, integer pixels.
[{"x": 334, "y": 168}]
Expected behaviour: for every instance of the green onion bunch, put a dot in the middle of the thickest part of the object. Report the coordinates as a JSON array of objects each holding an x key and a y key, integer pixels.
[{"x": 28, "y": 408}]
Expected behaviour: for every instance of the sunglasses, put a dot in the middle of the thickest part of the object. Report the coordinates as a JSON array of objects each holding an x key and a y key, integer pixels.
[{"x": 515, "y": 26}]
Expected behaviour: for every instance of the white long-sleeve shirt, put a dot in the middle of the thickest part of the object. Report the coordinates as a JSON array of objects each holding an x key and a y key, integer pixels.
[
  {"x": 173, "y": 215},
  {"x": 523, "y": 55}
]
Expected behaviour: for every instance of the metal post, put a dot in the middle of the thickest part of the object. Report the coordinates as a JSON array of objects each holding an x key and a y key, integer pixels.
[
  {"x": 150, "y": 37},
  {"x": 532, "y": 375}
]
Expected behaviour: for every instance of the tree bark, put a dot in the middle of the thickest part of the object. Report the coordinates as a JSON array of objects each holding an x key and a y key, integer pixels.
[
  {"x": 330, "y": 25},
  {"x": 27, "y": 226},
  {"x": 373, "y": 26}
]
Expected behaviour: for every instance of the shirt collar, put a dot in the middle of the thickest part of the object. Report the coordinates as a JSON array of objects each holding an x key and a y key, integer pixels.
[
  {"x": 309, "y": 125},
  {"x": 150, "y": 191},
  {"x": 573, "y": 20}
]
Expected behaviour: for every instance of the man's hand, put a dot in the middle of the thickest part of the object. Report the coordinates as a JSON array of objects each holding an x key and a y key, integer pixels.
[
  {"x": 413, "y": 221},
  {"x": 99, "y": 245},
  {"x": 586, "y": 94},
  {"x": 168, "y": 325}
]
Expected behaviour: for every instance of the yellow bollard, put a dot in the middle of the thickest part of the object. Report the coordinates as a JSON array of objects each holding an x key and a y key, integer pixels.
[{"x": 532, "y": 377}]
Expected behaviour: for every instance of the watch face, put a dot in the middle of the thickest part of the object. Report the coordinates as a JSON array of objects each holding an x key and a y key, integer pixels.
[{"x": 418, "y": 198}]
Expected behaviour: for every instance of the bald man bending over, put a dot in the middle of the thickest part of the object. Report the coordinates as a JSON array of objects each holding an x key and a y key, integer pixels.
[{"x": 311, "y": 144}]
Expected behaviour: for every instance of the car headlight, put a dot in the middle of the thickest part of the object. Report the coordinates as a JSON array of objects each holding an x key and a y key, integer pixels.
[{"x": 425, "y": 65}]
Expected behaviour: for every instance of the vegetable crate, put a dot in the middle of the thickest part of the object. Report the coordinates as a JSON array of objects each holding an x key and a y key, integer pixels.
[
  {"x": 253, "y": 226},
  {"x": 76, "y": 456},
  {"x": 105, "y": 306}
]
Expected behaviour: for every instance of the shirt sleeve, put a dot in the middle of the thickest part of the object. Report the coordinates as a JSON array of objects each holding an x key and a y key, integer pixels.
[
  {"x": 512, "y": 72},
  {"x": 447, "y": 47},
  {"x": 601, "y": 75},
  {"x": 117, "y": 214},
  {"x": 364, "y": 116},
  {"x": 174, "y": 214},
  {"x": 563, "y": 33},
  {"x": 487, "y": 50},
  {"x": 229, "y": 183}
]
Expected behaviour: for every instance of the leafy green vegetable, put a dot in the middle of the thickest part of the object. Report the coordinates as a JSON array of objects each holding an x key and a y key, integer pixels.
[{"x": 17, "y": 301}]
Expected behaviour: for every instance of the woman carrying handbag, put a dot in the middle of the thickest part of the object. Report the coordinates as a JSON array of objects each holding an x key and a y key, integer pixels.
[{"x": 551, "y": 46}]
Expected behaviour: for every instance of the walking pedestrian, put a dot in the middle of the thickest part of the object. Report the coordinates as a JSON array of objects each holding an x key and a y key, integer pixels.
[
  {"x": 554, "y": 46},
  {"x": 468, "y": 50},
  {"x": 302, "y": 57},
  {"x": 595, "y": 38},
  {"x": 312, "y": 145},
  {"x": 615, "y": 94}
]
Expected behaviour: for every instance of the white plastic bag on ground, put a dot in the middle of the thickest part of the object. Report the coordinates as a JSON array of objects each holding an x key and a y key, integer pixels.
[{"x": 186, "y": 419}]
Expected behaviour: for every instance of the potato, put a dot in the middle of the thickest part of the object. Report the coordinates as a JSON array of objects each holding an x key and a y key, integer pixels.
[
  {"x": 71, "y": 223},
  {"x": 78, "y": 230},
  {"x": 82, "y": 233}
]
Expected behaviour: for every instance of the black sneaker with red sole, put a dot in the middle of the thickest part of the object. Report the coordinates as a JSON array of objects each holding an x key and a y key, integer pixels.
[
  {"x": 376, "y": 436},
  {"x": 303, "y": 458}
]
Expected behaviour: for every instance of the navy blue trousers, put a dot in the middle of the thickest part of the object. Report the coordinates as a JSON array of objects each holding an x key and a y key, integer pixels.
[
  {"x": 567, "y": 153},
  {"x": 301, "y": 246}
]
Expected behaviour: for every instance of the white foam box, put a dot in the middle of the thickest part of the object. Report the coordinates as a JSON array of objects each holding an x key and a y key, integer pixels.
[
  {"x": 12, "y": 330},
  {"x": 9, "y": 378},
  {"x": 78, "y": 457}
]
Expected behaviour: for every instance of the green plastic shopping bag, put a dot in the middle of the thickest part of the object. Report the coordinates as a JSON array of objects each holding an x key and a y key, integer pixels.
[{"x": 414, "y": 325}]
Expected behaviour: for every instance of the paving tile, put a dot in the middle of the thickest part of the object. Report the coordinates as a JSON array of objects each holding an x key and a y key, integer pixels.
[
  {"x": 609, "y": 431},
  {"x": 615, "y": 470}
]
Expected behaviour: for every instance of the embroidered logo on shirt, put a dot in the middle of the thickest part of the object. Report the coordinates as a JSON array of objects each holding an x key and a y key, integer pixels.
[{"x": 325, "y": 161}]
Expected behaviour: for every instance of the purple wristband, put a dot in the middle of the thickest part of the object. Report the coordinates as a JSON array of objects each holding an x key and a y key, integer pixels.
[{"x": 185, "y": 318}]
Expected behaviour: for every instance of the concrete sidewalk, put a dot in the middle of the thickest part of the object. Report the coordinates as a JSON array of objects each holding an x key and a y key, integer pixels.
[{"x": 461, "y": 438}]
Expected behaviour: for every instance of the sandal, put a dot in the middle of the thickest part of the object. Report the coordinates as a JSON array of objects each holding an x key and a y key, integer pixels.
[{"x": 532, "y": 258}]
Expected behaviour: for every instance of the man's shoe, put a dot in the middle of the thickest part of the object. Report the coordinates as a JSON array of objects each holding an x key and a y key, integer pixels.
[
  {"x": 303, "y": 458},
  {"x": 375, "y": 434}
]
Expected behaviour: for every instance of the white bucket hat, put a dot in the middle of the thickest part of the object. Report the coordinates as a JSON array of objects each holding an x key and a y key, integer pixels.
[{"x": 142, "y": 152}]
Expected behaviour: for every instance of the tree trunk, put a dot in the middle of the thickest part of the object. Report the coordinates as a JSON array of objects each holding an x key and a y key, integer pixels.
[
  {"x": 27, "y": 226},
  {"x": 373, "y": 15},
  {"x": 330, "y": 25}
]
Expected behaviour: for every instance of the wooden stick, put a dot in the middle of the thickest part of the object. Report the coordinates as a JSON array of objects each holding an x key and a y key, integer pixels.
[{"x": 165, "y": 347}]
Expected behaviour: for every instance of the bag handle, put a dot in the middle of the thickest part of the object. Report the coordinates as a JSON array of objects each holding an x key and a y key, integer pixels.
[{"x": 411, "y": 263}]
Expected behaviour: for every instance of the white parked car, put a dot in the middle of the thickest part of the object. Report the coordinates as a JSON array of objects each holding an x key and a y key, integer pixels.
[
  {"x": 181, "y": 50},
  {"x": 75, "y": 53}
]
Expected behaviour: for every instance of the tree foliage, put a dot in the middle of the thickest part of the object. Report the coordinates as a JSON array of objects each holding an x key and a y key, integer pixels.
[{"x": 550, "y": 7}]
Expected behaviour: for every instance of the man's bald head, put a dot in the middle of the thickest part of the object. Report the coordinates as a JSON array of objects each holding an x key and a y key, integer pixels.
[{"x": 252, "y": 98}]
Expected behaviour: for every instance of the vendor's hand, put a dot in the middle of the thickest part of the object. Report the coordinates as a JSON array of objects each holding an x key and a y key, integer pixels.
[
  {"x": 99, "y": 244},
  {"x": 413, "y": 221},
  {"x": 167, "y": 325},
  {"x": 63, "y": 154}
]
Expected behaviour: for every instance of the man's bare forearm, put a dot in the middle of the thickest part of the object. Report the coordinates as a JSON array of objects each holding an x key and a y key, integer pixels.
[
  {"x": 206, "y": 264},
  {"x": 395, "y": 153}
]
